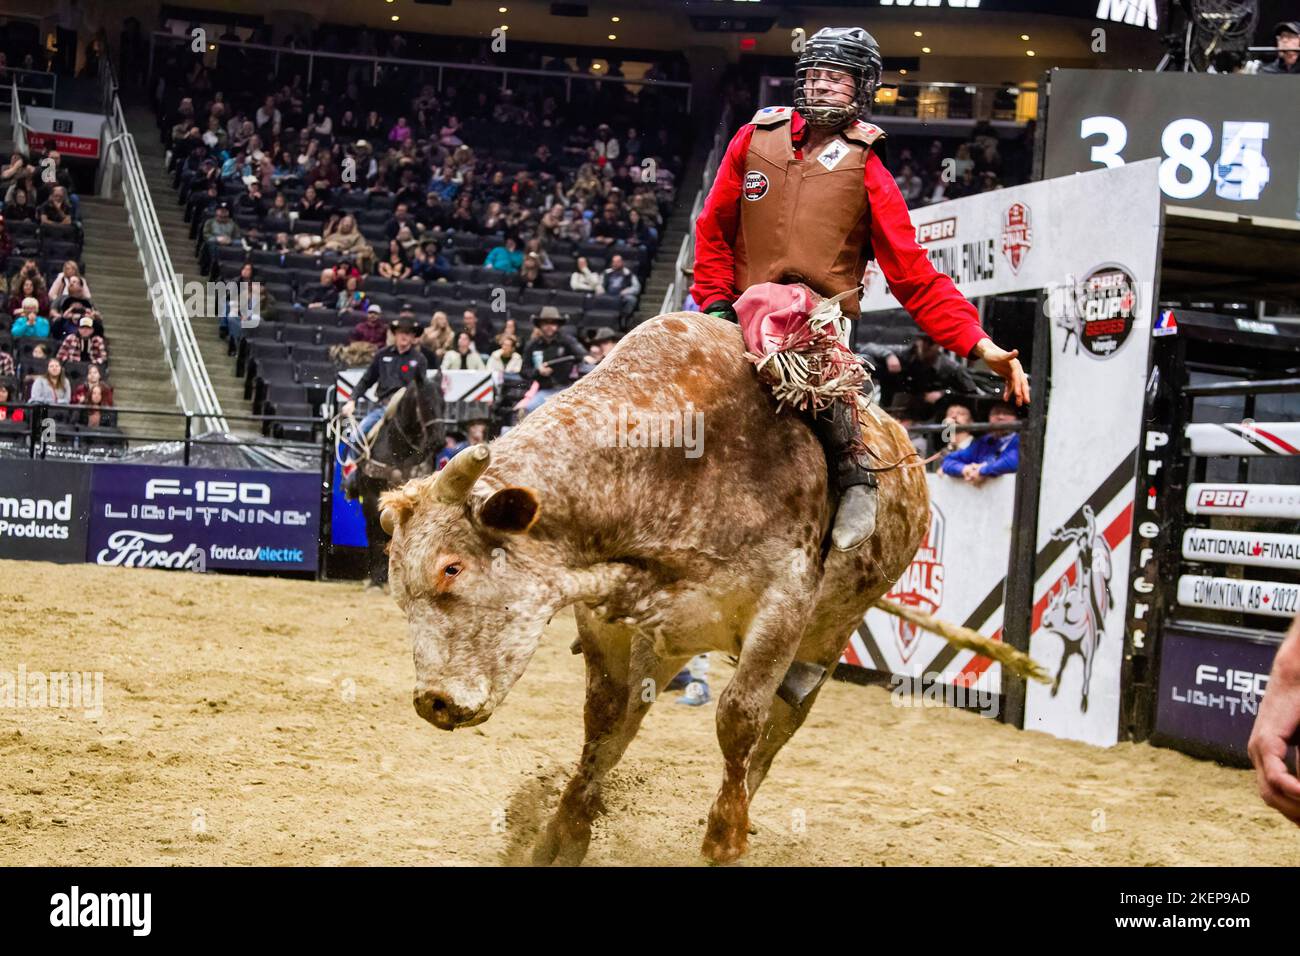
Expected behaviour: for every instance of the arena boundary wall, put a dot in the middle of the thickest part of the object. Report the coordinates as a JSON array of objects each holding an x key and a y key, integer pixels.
[{"x": 1063, "y": 562}]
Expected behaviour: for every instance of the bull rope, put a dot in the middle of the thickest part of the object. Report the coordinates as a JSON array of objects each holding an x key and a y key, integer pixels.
[{"x": 965, "y": 639}]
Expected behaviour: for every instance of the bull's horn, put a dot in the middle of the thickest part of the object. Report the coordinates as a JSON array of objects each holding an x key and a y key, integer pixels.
[
  {"x": 458, "y": 477},
  {"x": 387, "y": 521}
]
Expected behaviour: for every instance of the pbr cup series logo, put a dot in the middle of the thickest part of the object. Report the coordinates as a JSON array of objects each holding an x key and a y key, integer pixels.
[
  {"x": 921, "y": 585},
  {"x": 755, "y": 185},
  {"x": 1017, "y": 237},
  {"x": 1099, "y": 311}
]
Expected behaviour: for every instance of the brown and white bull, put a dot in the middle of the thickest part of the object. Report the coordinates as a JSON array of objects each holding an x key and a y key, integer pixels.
[{"x": 663, "y": 556}]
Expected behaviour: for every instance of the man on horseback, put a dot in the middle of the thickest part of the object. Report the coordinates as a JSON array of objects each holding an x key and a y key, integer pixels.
[
  {"x": 802, "y": 196},
  {"x": 392, "y": 369}
]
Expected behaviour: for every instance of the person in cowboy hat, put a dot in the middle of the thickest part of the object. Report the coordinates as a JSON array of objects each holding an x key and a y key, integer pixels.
[
  {"x": 392, "y": 369},
  {"x": 849, "y": 210},
  {"x": 551, "y": 357},
  {"x": 602, "y": 343}
]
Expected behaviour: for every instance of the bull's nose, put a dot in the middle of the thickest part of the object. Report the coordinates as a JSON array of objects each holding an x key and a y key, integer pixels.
[{"x": 440, "y": 710}]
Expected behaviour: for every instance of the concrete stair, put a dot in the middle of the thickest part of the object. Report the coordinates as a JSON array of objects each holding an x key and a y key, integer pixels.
[
  {"x": 176, "y": 233},
  {"x": 663, "y": 269},
  {"x": 138, "y": 369}
]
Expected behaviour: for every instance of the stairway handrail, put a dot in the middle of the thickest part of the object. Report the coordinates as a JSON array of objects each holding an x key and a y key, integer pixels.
[
  {"x": 194, "y": 391},
  {"x": 683, "y": 270}
]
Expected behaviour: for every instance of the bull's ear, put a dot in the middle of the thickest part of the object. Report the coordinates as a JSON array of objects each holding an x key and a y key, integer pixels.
[{"x": 511, "y": 510}]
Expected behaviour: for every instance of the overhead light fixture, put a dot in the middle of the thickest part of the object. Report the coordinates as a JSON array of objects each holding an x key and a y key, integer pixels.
[
  {"x": 1029, "y": 53},
  {"x": 394, "y": 18},
  {"x": 1024, "y": 36},
  {"x": 499, "y": 9},
  {"x": 505, "y": 26},
  {"x": 615, "y": 19},
  {"x": 916, "y": 33},
  {"x": 925, "y": 49},
  {"x": 902, "y": 72},
  {"x": 613, "y": 36}
]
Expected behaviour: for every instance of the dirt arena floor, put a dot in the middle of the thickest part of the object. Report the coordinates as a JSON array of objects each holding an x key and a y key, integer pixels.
[{"x": 262, "y": 721}]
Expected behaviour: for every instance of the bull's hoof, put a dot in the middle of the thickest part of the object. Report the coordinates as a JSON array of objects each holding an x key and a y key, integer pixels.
[
  {"x": 726, "y": 849},
  {"x": 726, "y": 839},
  {"x": 563, "y": 843}
]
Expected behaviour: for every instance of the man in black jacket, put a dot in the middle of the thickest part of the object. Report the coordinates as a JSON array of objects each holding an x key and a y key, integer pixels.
[
  {"x": 393, "y": 367},
  {"x": 922, "y": 370},
  {"x": 550, "y": 359}
]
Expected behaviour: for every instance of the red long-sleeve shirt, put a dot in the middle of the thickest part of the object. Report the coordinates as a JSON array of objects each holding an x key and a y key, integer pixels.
[{"x": 928, "y": 295}]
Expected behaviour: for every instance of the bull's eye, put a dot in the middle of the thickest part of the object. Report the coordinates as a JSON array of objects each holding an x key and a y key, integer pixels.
[{"x": 451, "y": 570}]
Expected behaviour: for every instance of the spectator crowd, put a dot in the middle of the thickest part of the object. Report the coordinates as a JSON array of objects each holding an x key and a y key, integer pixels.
[
  {"x": 53, "y": 345},
  {"x": 358, "y": 197}
]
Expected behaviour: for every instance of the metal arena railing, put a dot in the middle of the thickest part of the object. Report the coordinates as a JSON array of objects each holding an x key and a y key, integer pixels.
[
  {"x": 194, "y": 391},
  {"x": 38, "y": 83},
  {"x": 49, "y": 428},
  {"x": 933, "y": 101},
  {"x": 683, "y": 270},
  {"x": 19, "y": 128},
  {"x": 380, "y": 63}
]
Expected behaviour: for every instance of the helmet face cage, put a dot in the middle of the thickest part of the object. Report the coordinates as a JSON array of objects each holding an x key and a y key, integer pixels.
[
  {"x": 832, "y": 117},
  {"x": 851, "y": 51}
]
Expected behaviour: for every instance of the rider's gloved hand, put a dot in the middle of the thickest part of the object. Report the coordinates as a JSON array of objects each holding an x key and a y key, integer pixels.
[{"x": 723, "y": 310}]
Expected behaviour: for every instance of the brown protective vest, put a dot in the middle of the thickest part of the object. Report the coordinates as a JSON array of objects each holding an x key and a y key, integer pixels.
[{"x": 799, "y": 220}]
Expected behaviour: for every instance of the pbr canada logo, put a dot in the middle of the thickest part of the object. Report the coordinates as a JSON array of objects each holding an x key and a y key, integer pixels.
[
  {"x": 1017, "y": 237},
  {"x": 921, "y": 585},
  {"x": 755, "y": 185},
  {"x": 1101, "y": 311}
]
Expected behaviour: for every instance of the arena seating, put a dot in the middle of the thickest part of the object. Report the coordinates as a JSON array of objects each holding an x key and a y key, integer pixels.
[
  {"x": 285, "y": 358},
  {"x": 49, "y": 246}
]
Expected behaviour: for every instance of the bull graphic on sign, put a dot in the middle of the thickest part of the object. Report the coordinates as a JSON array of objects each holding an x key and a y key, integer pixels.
[
  {"x": 1063, "y": 304},
  {"x": 1076, "y": 613}
]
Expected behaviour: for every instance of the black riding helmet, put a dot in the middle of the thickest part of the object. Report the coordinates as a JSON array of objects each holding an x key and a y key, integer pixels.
[{"x": 850, "y": 50}]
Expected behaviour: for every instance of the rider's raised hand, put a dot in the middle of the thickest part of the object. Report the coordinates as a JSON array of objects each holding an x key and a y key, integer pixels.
[{"x": 1007, "y": 366}]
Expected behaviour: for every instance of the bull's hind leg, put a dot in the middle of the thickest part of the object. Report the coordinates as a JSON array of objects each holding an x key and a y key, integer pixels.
[
  {"x": 623, "y": 678},
  {"x": 785, "y": 718},
  {"x": 743, "y": 711}
]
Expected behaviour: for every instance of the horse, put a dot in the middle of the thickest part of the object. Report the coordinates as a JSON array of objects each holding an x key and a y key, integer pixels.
[{"x": 408, "y": 438}]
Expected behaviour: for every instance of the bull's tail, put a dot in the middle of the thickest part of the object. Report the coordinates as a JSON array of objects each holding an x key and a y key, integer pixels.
[{"x": 963, "y": 638}]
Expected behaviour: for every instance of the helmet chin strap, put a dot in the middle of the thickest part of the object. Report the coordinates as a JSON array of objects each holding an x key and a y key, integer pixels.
[{"x": 828, "y": 117}]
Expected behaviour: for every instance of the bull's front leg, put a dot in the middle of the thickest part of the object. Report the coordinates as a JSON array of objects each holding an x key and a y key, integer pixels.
[
  {"x": 743, "y": 710},
  {"x": 624, "y": 676}
]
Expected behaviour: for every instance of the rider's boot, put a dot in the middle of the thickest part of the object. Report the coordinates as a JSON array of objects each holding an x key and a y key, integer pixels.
[{"x": 855, "y": 519}]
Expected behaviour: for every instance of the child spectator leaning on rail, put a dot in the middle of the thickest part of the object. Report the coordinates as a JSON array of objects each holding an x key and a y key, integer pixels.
[{"x": 994, "y": 453}]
